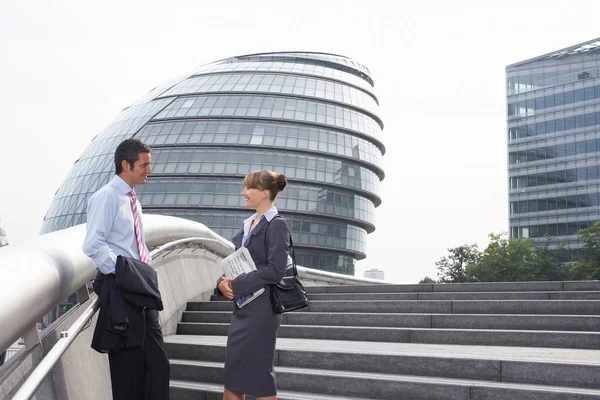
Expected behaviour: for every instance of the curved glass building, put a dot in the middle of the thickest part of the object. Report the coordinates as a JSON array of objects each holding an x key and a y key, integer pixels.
[{"x": 311, "y": 116}]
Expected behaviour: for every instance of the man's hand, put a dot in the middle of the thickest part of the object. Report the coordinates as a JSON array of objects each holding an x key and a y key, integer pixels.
[{"x": 225, "y": 288}]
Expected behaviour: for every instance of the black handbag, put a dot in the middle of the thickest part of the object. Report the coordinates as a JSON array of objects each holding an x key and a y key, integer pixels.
[{"x": 289, "y": 294}]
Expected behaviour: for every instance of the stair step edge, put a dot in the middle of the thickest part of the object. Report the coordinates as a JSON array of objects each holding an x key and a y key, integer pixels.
[
  {"x": 404, "y": 378},
  {"x": 285, "y": 394}
]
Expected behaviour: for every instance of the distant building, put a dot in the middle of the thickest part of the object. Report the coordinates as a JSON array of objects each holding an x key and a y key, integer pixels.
[
  {"x": 553, "y": 106},
  {"x": 374, "y": 273},
  {"x": 3, "y": 237}
]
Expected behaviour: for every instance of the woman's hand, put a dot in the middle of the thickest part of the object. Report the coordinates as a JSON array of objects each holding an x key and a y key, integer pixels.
[{"x": 225, "y": 287}]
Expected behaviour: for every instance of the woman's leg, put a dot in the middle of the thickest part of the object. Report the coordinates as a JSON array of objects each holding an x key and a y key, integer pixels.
[
  {"x": 267, "y": 398},
  {"x": 231, "y": 395}
]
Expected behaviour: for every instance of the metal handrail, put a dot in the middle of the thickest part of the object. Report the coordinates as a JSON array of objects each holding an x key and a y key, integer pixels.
[
  {"x": 29, "y": 387},
  {"x": 52, "y": 267},
  {"x": 303, "y": 272},
  {"x": 31, "y": 384},
  {"x": 192, "y": 240},
  {"x": 332, "y": 277}
]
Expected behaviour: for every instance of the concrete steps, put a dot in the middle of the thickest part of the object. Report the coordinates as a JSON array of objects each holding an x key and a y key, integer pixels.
[
  {"x": 541, "y": 295},
  {"x": 573, "y": 295},
  {"x": 190, "y": 390},
  {"x": 567, "y": 286},
  {"x": 381, "y": 386},
  {"x": 530, "y": 341},
  {"x": 557, "y": 307},
  {"x": 487, "y": 337},
  {"x": 499, "y": 364},
  {"x": 443, "y": 321}
]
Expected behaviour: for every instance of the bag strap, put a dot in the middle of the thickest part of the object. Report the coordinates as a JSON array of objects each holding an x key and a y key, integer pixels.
[{"x": 293, "y": 255}]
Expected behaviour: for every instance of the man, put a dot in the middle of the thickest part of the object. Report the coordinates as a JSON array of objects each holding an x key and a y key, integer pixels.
[{"x": 114, "y": 228}]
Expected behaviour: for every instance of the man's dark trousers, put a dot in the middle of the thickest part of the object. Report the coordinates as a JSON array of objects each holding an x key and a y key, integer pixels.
[{"x": 141, "y": 373}]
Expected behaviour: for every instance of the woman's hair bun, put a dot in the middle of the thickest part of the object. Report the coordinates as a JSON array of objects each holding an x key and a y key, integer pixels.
[{"x": 281, "y": 182}]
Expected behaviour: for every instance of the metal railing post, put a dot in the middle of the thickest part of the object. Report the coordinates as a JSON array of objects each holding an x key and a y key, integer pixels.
[
  {"x": 32, "y": 338},
  {"x": 28, "y": 389},
  {"x": 83, "y": 294}
]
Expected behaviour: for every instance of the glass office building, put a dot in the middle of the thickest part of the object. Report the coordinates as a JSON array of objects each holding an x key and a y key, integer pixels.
[
  {"x": 312, "y": 116},
  {"x": 554, "y": 144}
]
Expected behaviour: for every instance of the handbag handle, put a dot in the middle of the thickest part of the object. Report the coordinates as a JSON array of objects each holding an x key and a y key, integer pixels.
[{"x": 293, "y": 255}]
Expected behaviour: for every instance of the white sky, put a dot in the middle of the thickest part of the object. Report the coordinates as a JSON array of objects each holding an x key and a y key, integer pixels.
[{"x": 67, "y": 68}]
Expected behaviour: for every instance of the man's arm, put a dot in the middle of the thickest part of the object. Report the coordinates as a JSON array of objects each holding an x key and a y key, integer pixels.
[{"x": 100, "y": 217}]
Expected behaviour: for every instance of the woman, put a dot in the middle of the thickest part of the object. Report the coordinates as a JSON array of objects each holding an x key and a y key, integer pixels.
[{"x": 253, "y": 330}]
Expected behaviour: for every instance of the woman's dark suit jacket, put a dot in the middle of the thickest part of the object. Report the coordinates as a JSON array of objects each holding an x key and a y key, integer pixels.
[{"x": 253, "y": 330}]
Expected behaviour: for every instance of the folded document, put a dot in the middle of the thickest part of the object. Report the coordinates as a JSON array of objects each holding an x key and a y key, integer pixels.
[{"x": 237, "y": 263}]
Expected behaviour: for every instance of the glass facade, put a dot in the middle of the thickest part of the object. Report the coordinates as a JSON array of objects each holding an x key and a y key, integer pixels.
[
  {"x": 312, "y": 116},
  {"x": 553, "y": 114}
]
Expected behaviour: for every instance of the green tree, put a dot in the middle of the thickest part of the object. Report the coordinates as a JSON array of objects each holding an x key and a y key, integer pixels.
[
  {"x": 546, "y": 265},
  {"x": 452, "y": 269},
  {"x": 588, "y": 266},
  {"x": 504, "y": 260},
  {"x": 427, "y": 280}
]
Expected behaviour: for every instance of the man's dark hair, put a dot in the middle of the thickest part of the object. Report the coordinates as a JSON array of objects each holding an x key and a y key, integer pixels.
[{"x": 129, "y": 150}]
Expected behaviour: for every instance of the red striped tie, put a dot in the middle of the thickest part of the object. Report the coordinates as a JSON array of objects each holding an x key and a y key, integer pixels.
[{"x": 138, "y": 235}]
